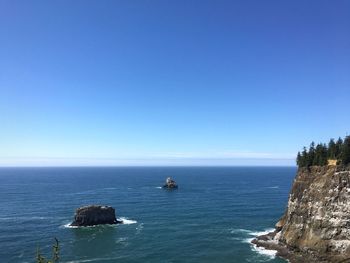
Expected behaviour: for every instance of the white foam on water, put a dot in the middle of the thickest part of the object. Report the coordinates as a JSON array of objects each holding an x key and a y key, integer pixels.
[
  {"x": 260, "y": 250},
  {"x": 260, "y": 233},
  {"x": 124, "y": 220},
  {"x": 85, "y": 227},
  {"x": 69, "y": 226},
  {"x": 252, "y": 233},
  {"x": 266, "y": 252},
  {"x": 159, "y": 187},
  {"x": 127, "y": 221},
  {"x": 270, "y": 254}
]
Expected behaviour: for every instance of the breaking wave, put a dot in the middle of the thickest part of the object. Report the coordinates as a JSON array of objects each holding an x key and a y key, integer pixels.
[
  {"x": 127, "y": 221},
  {"x": 124, "y": 220},
  {"x": 249, "y": 235}
]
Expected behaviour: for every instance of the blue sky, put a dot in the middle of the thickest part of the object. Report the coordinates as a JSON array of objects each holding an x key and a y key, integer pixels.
[{"x": 171, "y": 82}]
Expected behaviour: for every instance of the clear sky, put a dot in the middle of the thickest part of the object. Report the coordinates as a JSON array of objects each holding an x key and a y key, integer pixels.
[{"x": 171, "y": 82}]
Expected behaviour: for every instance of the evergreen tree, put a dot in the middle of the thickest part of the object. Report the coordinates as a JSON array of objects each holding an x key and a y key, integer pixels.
[
  {"x": 345, "y": 151},
  {"x": 299, "y": 160},
  {"x": 332, "y": 149},
  {"x": 319, "y": 154},
  {"x": 311, "y": 155},
  {"x": 304, "y": 158},
  {"x": 323, "y": 159},
  {"x": 339, "y": 145}
]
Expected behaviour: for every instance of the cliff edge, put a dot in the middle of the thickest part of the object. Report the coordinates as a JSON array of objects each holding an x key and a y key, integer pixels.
[{"x": 316, "y": 224}]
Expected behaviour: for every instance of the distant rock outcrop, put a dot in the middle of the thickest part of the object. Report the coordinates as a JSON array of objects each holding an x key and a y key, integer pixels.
[
  {"x": 94, "y": 215},
  {"x": 170, "y": 184},
  {"x": 316, "y": 224}
]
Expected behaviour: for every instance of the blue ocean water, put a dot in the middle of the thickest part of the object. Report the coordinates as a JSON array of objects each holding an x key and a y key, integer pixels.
[{"x": 210, "y": 218}]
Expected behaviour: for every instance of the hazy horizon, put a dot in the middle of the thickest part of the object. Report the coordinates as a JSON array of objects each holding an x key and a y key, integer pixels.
[{"x": 77, "y": 162}]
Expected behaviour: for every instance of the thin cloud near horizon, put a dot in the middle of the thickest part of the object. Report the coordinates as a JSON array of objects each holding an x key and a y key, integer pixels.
[{"x": 156, "y": 159}]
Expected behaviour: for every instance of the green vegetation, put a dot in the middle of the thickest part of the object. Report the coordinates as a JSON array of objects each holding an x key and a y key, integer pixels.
[
  {"x": 320, "y": 154},
  {"x": 55, "y": 254}
]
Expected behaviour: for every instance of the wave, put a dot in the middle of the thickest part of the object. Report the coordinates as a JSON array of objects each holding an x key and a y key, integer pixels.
[
  {"x": 127, "y": 221},
  {"x": 124, "y": 220},
  {"x": 249, "y": 235},
  {"x": 260, "y": 233},
  {"x": 159, "y": 187},
  {"x": 69, "y": 226},
  {"x": 273, "y": 187},
  {"x": 83, "y": 227},
  {"x": 263, "y": 251},
  {"x": 251, "y": 232}
]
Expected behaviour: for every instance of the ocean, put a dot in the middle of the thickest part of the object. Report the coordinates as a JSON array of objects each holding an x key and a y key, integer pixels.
[{"x": 211, "y": 217}]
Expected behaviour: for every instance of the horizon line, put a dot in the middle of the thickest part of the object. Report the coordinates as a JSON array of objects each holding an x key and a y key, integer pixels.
[
  {"x": 144, "y": 162},
  {"x": 139, "y": 166}
]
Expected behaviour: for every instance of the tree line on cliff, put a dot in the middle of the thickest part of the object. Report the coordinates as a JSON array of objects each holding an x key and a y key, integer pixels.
[{"x": 320, "y": 154}]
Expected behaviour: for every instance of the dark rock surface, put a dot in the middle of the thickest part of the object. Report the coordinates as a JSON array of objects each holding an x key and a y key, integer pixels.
[
  {"x": 170, "y": 184},
  {"x": 316, "y": 224},
  {"x": 94, "y": 215}
]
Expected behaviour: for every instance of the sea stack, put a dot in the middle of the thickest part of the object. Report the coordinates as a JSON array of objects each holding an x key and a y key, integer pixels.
[
  {"x": 170, "y": 184},
  {"x": 94, "y": 215},
  {"x": 316, "y": 224}
]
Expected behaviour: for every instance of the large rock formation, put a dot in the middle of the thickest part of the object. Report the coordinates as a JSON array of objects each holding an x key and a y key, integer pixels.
[
  {"x": 170, "y": 184},
  {"x": 94, "y": 215},
  {"x": 316, "y": 224}
]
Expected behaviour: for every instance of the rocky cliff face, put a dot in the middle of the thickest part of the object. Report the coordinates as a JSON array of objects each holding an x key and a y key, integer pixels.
[{"x": 316, "y": 224}]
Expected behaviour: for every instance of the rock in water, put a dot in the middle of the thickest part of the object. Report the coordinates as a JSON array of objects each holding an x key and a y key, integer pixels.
[
  {"x": 94, "y": 215},
  {"x": 316, "y": 224},
  {"x": 170, "y": 184}
]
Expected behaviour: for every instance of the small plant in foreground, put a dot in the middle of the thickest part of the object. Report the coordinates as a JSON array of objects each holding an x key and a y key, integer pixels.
[{"x": 55, "y": 254}]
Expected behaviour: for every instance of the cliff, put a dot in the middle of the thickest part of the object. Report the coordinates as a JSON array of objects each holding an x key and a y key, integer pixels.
[{"x": 316, "y": 224}]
